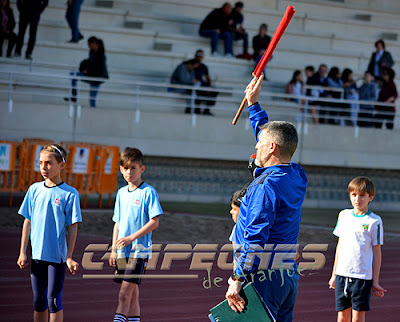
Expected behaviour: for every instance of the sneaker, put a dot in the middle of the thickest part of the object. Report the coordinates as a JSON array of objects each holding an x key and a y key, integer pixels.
[
  {"x": 70, "y": 99},
  {"x": 216, "y": 54},
  {"x": 29, "y": 57},
  {"x": 207, "y": 112},
  {"x": 17, "y": 54},
  {"x": 229, "y": 56}
]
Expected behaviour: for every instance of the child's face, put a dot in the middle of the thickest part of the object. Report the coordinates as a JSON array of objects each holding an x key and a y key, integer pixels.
[
  {"x": 49, "y": 166},
  {"x": 360, "y": 201},
  {"x": 132, "y": 173},
  {"x": 234, "y": 212}
]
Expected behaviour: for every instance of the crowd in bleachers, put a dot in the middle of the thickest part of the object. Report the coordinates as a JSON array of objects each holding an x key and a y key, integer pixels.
[
  {"x": 227, "y": 23},
  {"x": 378, "y": 85}
]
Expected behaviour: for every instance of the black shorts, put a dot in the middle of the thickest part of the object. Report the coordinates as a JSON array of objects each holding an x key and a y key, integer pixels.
[
  {"x": 130, "y": 270},
  {"x": 352, "y": 292}
]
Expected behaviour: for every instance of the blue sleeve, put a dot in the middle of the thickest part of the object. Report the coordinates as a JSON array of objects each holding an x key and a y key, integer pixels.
[
  {"x": 73, "y": 209},
  {"x": 117, "y": 213},
  {"x": 153, "y": 205},
  {"x": 261, "y": 216},
  {"x": 258, "y": 117},
  {"x": 26, "y": 207}
]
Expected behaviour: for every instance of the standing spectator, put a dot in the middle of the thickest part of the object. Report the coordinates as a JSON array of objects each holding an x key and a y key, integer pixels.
[
  {"x": 184, "y": 75},
  {"x": 72, "y": 16},
  {"x": 261, "y": 42},
  {"x": 217, "y": 25},
  {"x": 379, "y": 59},
  {"x": 388, "y": 94},
  {"x": 350, "y": 93},
  {"x": 334, "y": 81},
  {"x": 7, "y": 25},
  {"x": 94, "y": 66},
  {"x": 238, "y": 29},
  {"x": 319, "y": 79},
  {"x": 29, "y": 14},
  {"x": 367, "y": 92},
  {"x": 202, "y": 75}
]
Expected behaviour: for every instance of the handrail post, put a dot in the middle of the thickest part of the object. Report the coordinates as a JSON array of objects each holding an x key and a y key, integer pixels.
[
  {"x": 10, "y": 101},
  {"x": 192, "y": 106},
  {"x": 137, "y": 97}
]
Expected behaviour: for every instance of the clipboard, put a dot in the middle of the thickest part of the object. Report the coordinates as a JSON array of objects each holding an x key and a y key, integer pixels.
[{"x": 255, "y": 309}]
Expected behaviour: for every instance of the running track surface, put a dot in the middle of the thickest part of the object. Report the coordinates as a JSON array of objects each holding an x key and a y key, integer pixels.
[{"x": 175, "y": 299}]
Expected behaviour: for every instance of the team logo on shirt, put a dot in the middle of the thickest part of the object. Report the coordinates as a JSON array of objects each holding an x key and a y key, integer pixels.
[
  {"x": 365, "y": 227},
  {"x": 57, "y": 201},
  {"x": 137, "y": 201}
]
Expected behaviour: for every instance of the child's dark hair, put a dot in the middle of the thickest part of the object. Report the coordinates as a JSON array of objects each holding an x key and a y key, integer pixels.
[
  {"x": 129, "y": 155},
  {"x": 362, "y": 185},
  {"x": 59, "y": 152},
  {"x": 237, "y": 196}
]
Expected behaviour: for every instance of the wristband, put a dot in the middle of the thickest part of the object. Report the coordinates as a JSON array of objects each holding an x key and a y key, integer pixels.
[{"x": 253, "y": 104}]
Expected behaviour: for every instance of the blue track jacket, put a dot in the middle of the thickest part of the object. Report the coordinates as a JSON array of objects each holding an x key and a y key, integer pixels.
[{"x": 271, "y": 210}]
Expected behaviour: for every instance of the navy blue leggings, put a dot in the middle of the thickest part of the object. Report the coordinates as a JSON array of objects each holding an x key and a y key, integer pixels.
[{"x": 47, "y": 284}]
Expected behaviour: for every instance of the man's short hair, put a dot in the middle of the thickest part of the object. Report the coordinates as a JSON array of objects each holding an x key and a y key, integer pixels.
[
  {"x": 310, "y": 68},
  {"x": 362, "y": 185},
  {"x": 130, "y": 155},
  {"x": 284, "y": 134},
  {"x": 381, "y": 42},
  {"x": 239, "y": 5}
]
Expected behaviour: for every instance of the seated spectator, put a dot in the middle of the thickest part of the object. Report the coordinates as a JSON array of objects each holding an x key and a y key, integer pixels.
[
  {"x": 261, "y": 42},
  {"x": 309, "y": 70},
  {"x": 319, "y": 79},
  {"x": 296, "y": 86},
  {"x": 184, "y": 75},
  {"x": 217, "y": 26},
  {"x": 350, "y": 93},
  {"x": 202, "y": 75},
  {"x": 94, "y": 66},
  {"x": 334, "y": 81},
  {"x": 367, "y": 92},
  {"x": 379, "y": 59},
  {"x": 238, "y": 30},
  {"x": 7, "y": 25},
  {"x": 388, "y": 94}
]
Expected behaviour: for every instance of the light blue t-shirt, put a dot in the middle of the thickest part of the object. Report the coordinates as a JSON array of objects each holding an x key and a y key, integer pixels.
[
  {"x": 50, "y": 210},
  {"x": 133, "y": 210}
]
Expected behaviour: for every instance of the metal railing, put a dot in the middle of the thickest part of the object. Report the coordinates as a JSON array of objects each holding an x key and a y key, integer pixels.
[{"x": 135, "y": 93}]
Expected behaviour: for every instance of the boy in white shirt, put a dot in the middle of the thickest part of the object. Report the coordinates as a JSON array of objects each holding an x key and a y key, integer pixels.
[{"x": 358, "y": 254}]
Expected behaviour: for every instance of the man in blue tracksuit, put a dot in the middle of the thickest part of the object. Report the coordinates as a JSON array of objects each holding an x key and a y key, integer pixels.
[{"x": 269, "y": 220}]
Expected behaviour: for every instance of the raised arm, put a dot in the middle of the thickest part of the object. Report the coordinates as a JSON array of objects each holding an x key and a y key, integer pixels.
[
  {"x": 72, "y": 233},
  {"x": 22, "y": 261},
  {"x": 257, "y": 116}
]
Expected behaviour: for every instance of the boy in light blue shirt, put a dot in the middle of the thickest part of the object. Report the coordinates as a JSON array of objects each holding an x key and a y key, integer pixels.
[
  {"x": 136, "y": 215},
  {"x": 49, "y": 208}
]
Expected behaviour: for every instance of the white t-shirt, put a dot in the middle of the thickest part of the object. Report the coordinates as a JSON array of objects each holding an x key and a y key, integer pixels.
[{"x": 357, "y": 236}]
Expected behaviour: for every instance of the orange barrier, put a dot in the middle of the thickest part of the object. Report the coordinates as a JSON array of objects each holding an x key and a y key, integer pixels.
[
  {"x": 81, "y": 167},
  {"x": 8, "y": 167},
  {"x": 90, "y": 168},
  {"x": 29, "y": 162},
  {"x": 108, "y": 168}
]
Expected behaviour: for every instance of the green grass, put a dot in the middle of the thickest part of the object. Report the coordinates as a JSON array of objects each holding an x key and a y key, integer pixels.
[{"x": 323, "y": 217}]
